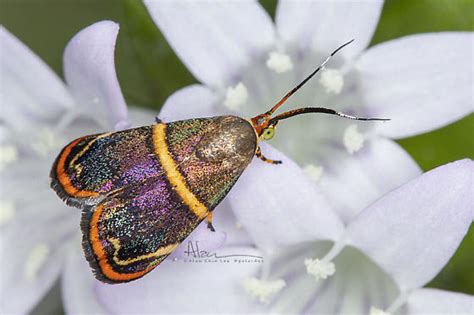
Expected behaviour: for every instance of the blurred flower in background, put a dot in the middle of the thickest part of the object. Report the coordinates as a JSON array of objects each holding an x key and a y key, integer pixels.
[
  {"x": 317, "y": 248},
  {"x": 392, "y": 249}
]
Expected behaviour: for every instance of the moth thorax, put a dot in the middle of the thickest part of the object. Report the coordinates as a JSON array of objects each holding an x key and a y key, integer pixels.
[{"x": 232, "y": 139}]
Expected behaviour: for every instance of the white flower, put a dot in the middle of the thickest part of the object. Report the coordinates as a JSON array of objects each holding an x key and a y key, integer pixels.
[
  {"x": 393, "y": 248},
  {"x": 383, "y": 255}
]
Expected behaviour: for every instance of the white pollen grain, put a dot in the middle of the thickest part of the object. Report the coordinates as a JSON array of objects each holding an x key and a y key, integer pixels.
[
  {"x": 314, "y": 172},
  {"x": 46, "y": 141},
  {"x": 36, "y": 259},
  {"x": 8, "y": 154},
  {"x": 263, "y": 290},
  {"x": 279, "y": 62},
  {"x": 319, "y": 269},
  {"x": 377, "y": 311},
  {"x": 332, "y": 80},
  {"x": 353, "y": 140},
  {"x": 7, "y": 211},
  {"x": 236, "y": 96}
]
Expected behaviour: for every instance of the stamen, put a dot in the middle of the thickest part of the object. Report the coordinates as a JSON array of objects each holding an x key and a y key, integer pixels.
[
  {"x": 7, "y": 211},
  {"x": 314, "y": 172},
  {"x": 263, "y": 290},
  {"x": 377, "y": 311},
  {"x": 236, "y": 96},
  {"x": 324, "y": 268},
  {"x": 353, "y": 139},
  {"x": 320, "y": 269},
  {"x": 8, "y": 154},
  {"x": 46, "y": 142},
  {"x": 332, "y": 80},
  {"x": 36, "y": 260},
  {"x": 279, "y": 62}
]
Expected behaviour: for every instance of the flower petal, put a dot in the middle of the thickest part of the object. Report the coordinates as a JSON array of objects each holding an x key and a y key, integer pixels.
[
  {"x": 228, "y": 232},
  {"x": 357, "y": 284},
  {"x": 420, "y": 82},
  {"x": 224, "y": 219},
  {"x": 29, "y": 89},
  {"x": 140, "y": 116},
  {"x": 214, "y": 39},
  {"x": 433, "y": 301},
  {"x": 324, "y": 25},
  {"x": 414, "y": 230},
  {"x": 31, "y": 259},
  {"x": 201, "y": 239},
  {"x": 278, "y": 204},
  {"x": 193, "y": 101},
  {"x": 353, "y": 183},
  {"x": 78, "y": 285},
  {"x": 185, "y": 287},
  {"x": 90, "y": 73}
]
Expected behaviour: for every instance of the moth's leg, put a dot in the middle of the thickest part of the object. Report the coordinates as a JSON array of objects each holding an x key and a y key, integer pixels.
[
  {"x": 209, "y": 221},
  {"x": 264, "y": 159}
]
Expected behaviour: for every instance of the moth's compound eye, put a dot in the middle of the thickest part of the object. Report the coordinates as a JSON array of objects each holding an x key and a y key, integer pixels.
[{"x": 268, "y": 133}]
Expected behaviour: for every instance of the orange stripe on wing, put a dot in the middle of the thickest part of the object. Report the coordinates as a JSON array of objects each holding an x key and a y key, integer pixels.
[
  {"x": 63, "y": 178},
  {"x": 106, "y": 269}
]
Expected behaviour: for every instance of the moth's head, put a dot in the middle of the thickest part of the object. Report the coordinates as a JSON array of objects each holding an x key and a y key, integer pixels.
[{"x": 264, "y": 126}]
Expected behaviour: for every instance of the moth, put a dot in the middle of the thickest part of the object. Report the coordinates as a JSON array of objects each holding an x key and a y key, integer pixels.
[{"x": 142, "y": 191}]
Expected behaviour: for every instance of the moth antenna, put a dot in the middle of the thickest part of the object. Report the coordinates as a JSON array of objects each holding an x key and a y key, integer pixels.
[
  {"x": 322, "y": 110},
  {"x": 296, "y": 88}
]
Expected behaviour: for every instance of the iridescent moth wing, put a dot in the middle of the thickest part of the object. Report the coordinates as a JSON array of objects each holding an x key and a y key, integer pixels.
[
  {"x": 144, "y": 190},
  {"x": 91, "y": 167}
]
